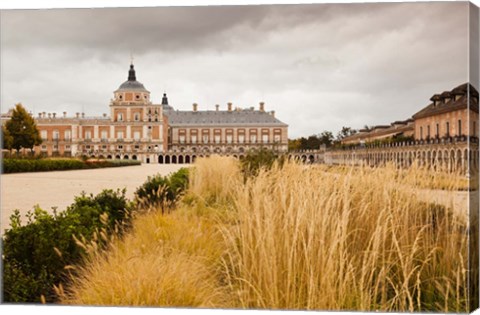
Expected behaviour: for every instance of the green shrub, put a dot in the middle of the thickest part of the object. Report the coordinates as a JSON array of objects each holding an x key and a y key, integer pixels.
[
  {"x": 35, "y": 254},
  {"x": 162, "y": 191},
  {"x": 44, "y": 165},
  {"x": 255, "y": 160}
]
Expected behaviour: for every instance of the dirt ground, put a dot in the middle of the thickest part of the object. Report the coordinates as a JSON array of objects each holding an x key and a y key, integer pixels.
[{"x": 58, "y": 189}]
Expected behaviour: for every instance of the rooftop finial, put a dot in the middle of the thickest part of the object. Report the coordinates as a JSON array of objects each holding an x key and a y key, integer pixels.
[
  {"x": 164, "y": 99},
  {"x": 131, "y": 58},
  {"x": 131, "y": 74}
]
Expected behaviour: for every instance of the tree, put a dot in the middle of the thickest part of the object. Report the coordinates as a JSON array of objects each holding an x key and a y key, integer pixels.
[
  {"x": 313, "y": 143},
  {"x": 293, "y": 144},
  {"x": 7, "y": 139},
  {"x": 345, "y": 132},
  {"x": 326, "y": 138},
  {"x": 22, "y": 129}
]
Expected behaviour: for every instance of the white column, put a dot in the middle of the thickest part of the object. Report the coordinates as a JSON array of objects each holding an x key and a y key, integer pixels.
[
  {"x": 112, "y": 132},
  {"x": 128, "y": 118},
  {"x": 145, "y": 131},
  {"x": 129, "y": 132},
  {"x": 160, "y": 132},
  {"x": 74, "y": 132},
  {"x": 80, "y": 129},
  {"x": 95, "y": 132}
]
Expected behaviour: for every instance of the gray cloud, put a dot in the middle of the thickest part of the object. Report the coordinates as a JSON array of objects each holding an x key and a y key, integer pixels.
[{"x": 318, "y": 66}]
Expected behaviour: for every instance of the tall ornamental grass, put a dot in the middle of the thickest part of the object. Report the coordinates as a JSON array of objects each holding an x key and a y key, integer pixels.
[{"x": 294, "y": 237}]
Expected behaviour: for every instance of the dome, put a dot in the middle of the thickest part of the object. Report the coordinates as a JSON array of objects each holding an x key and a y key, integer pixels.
[{"x": 132, "y": 84}]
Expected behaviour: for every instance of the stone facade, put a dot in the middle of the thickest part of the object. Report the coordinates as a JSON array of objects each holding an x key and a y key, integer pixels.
[
  {"x": 450, "y": 114},
  {"x": 157, "y": 133}
]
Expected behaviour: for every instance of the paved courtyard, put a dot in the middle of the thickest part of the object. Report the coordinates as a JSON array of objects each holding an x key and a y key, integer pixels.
[{"x": 58, "y": 189}]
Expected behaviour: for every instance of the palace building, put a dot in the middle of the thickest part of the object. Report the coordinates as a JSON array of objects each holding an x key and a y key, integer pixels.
[
  {"x": 157, "y": 133},
  {"x": 451, "y": 114}
]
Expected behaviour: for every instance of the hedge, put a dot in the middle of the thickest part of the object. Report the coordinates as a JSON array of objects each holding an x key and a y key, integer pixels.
[
  {"x": 45, "y": 165},
  {"x": 35, "y": 254}
]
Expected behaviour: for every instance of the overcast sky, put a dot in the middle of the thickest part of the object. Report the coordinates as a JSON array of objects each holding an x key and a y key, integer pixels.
[{"x": 320, "y": 67}]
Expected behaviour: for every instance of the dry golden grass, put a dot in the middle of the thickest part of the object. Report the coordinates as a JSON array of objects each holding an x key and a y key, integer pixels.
[
  {"x": 296, "y": 237},
  {"x": 166, "y": 260}
]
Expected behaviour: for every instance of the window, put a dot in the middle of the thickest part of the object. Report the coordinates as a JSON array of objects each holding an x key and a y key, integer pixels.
[
  {"x": 68, "y": 135},
  {"x": 137, "y": 147},
  {"x": 55, "y": 147},
  {"x": 428, "y": 131},
  {"x": 120, "y": 117},
  {"x": 447, "y": 127},
  {"x": 136, "y": 135},
  {"x": 88, "y": 135},
  {"x": 120, "y": 135},
  {"x": 194, "y": 139},
  {"x": 217, "y": 139},
  {"x": 253, "y": 138},
  {"x": 277, "y": 138},
  {"x": 421, "y": 133},
  {"x": 104, "y": 147},
  {"x": 43, "y": 134},
  {"x": 67, "y": 147},
  {"x": 437, "y": 130},
  {"x": 56, "y": 135},
  {"x": 459, "y": 132},
  {"x": 87, "y": 147},
  {"x": 120, "y": 147},
  {"x": 136, "y": 116},
  {"x": 104, "y": 135},
  {"x": 241, "y": 138},
  {"x": 229, "y": 139},
  {"x": 182, "y": 139},
  {"x": 205, "y": 138},
  {"x": 44, "y": 148},
  {"x": 265, "y": 138}
]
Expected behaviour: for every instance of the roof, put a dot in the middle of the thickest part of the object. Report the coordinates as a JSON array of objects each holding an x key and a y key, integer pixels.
[
  {"x": 452, "y": 104},
  {"x": 132, "y": 84},
  {"x": 391, "y": 131},
  {"x": 216, "y": 118}
]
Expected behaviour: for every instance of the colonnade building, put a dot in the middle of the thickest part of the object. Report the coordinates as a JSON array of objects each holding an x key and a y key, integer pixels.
[{"x": 157, "y": 133}]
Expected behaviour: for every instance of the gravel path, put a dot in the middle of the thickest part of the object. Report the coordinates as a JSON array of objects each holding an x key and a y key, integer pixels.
[{"x": 58, "y": 189}]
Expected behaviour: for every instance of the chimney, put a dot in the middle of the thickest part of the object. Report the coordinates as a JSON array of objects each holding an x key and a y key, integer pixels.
[
  {"x": 44, "y": 114},
  {"x": 229, "y": 106},
  {"x": 49, "y": 115},
  {"x": 195, "y": 106},
  {"x": 77, "y": 115},
  {"x": 104, "y": 115},
  {"x": 262, "y": 106},
  {"x": 64, "y": 114},
  {"x": 273, "y": 113},
  {"x": 54, "y": 115},
  {"x": 39, "y": 115},
  {"x": 83, "y": 115},
  {"x": 216, "y": 107}
]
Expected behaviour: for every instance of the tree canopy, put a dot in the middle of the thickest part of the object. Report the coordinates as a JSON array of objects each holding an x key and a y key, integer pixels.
[
  {"x": 7, "y": 139},
  {"x": 22, "y": 129}
]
